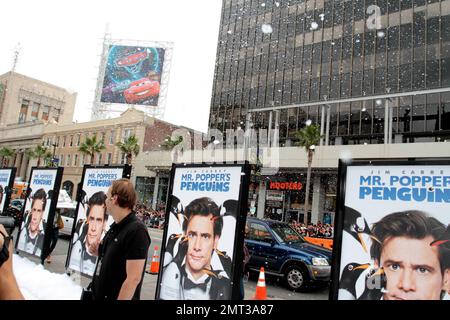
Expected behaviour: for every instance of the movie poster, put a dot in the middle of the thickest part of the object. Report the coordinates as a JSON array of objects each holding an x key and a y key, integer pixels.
[
  {"x": 39, "y": 210},
  {"x": 92, "y": 220},
  {"x": 133, "y": 75},
  {"x": 394, "y": 231},
  {"x": 203, "y": 238},
  {"x": 6, "y": 183}
]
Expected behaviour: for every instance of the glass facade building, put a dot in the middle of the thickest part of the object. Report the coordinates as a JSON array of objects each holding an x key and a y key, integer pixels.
[{"x": 368, "y": 71}]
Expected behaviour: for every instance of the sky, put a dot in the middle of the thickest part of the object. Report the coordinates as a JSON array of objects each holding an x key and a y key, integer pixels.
[{"x": 61, "y": 43}]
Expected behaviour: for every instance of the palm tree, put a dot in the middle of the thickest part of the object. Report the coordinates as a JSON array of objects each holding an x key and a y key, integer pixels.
[
  {"x": 170, "y": 144},
  {"x": 308, "y": 137},
  {"x": 6, "y": 153},
  {"x": 38, "y": 153},
  {"x": 129, "y": 146},
  {"x": 91, "y": 146}
]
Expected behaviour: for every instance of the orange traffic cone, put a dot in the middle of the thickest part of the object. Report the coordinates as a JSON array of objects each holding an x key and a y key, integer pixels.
[
  {"x": 261, "y": 291},
  {"x": 154, "y": 266}
]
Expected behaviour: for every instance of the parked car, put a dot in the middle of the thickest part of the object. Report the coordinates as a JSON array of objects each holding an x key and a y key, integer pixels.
[
  {"x": 283, "y": 252},
  {"x": 67, "y": 215},
  {"x": 18, "y": 203},
  {"x": 15, "y": 210}
]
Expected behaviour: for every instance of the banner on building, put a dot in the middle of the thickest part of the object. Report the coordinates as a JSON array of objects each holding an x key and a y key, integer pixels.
[
  {"x": 392, "y": 237},
  {"x": 91, "y": 220},
  {"x": 6, "y": 184},
  {"x": 204, "y": 233},
  {"x": 39, "y": 211}
]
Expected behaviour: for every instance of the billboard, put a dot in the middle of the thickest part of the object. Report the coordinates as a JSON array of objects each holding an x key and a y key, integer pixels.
[
  {"x": 92, "y": 220},
  {"x": 6, "y": 184},
  {"x": 133, "y": 75},
  {"x": 392, "y": 237},
  {"x": 39, "y": 210},
  {"x": 204, "y": 234}
]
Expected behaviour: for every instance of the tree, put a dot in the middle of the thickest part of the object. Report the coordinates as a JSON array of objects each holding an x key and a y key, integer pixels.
[
  {"x": 170, "y": 144},
  {"x": 91, "y": 146},
  {"x": 7, "y": 153},
  {"x": 308, "y": 138},
  {"x": 130, "y": 146},
  {"x": 40, "y": 152}
]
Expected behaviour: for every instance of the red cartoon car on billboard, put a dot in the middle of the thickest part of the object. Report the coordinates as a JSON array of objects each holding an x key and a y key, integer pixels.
[
  {"x": 132, "y": 59},
  {"x": 141, "y": 90}
]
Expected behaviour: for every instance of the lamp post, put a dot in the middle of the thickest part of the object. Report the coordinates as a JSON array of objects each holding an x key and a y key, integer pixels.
[{"x": 53, "y": 154}]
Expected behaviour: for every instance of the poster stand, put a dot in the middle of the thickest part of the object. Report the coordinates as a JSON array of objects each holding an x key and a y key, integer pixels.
[
  {"x": 52, "y": 194},
  {"x": 239, "y": 184}
]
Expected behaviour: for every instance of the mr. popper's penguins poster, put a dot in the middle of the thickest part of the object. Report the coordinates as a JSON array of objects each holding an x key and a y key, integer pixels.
[
  {"x": 92, "y": 220},
  {"x": 39, "y": 210},
  {"x": 393, "y": 240},
  {"x": 6, "y": 183},
  {"x": 203, "y": 237}
]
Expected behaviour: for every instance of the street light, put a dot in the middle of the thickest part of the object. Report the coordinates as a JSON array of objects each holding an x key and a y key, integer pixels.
[{"x": 54, "y": 149}]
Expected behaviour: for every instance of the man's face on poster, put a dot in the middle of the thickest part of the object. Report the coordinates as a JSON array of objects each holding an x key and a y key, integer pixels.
[
  {"x": 37, "y": 211},
  {"x": 96, "y": 224},
  {"x": 412, "y": 269},
  {"x": 201, "y": 243}
]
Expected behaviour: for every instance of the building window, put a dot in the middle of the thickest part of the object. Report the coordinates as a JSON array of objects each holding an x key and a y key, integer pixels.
[
  {"x": 68, "y": 160},
  {"x": 99, "y": 158},
  {"x": 123, "y": 158},
  {"x": 45, "y": 113},
  {"x": 112, "y": 137},
  {"x": 61, "y": 160},
  {"x": 56, "y": 114},
  {"x": 78, "y": 139},
  {"x": 71, "y": 141},
  {"x": 35, "y": 111},
  {"x": 64, "y": 141},
  {"x": 126, "y": 134},
  {"x": 82, "y": 160},
  {"x": 109, "y": 158},
  {"x": 23, "y": 111},
  {"x": 75, "y": 161}
]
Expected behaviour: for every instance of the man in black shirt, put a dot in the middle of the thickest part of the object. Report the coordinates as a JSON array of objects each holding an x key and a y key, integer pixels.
[{"x": 123, "y": 251}]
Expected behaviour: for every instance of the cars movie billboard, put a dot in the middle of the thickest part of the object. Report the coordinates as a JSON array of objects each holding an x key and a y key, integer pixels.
[
  {"x": 392, "y": 237},
  {"x": 92, "y": 221},
  {"x": 133, "y": 75},
  {"x": 204, "y": 234}
]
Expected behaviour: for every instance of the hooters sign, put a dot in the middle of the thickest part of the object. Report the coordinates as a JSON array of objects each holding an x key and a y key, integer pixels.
[{"x": 285, "y": 185}]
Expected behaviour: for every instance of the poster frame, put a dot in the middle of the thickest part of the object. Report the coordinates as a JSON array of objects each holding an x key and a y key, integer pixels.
[
  {"x": 51, "y": 212},
  {"x": 9, "y": 188},
  {"x": 340, "y": 204},
  {"x": 126, "y": 173},
  {"x": 236, "y": 269}
]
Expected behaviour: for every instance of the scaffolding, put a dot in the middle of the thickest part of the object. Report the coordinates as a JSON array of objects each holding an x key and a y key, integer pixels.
[{"x": 106, "y": 110}]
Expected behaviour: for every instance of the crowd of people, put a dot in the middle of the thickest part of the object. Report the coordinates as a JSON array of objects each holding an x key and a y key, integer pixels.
[
  {"x": 318, "y": 230},
  {"x": 150, "y": 217}
]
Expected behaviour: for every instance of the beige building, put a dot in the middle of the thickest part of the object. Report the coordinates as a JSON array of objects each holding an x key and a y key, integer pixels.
[
  {"x": 27, "y": 105},
  {"x": 64, "y": 141}
]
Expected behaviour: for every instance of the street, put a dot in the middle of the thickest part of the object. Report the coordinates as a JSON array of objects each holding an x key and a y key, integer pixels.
[{"x": 275, "y": 286}]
